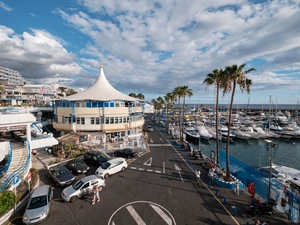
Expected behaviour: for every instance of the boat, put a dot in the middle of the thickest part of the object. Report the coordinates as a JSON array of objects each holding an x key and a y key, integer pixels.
[
  {"x": 240, "y": 134},
  {"x": 260, "y": 132},
  {"x": 201, "y": 129},
  {"x": 249, "y": 130},
  {"x": 191, "y": 132}
]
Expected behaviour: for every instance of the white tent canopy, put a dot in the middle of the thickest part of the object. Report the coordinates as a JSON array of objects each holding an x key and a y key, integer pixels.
[{"x": 101, "y": 90}]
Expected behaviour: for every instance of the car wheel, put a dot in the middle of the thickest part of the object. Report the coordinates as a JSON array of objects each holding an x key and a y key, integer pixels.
[
  {"x": 106, "y": 176},
  {"x": 123, "y": 169},
  {"x": 100, "y": 188},
  {"x": 73, "y": 199}
]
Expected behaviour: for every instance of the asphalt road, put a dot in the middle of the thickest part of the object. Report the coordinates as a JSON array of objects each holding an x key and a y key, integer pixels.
[{"x": 157, "y": 188}]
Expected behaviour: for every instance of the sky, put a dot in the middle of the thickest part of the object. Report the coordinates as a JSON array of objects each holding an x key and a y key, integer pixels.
[{"x": 151, "y": 47}]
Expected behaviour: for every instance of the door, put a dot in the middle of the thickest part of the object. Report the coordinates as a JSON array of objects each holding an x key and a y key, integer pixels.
[{"x": 85, "y": 189}]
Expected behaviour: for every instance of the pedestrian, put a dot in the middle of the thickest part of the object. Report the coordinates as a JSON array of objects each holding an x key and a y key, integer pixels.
[
  {"x": 96, "y": 195},
  {"x": 267, "y": 223},
  {"x": 257, "y": 222},
  {"x": 34, "y": 154},
  {"x": 198, "y": 174}
]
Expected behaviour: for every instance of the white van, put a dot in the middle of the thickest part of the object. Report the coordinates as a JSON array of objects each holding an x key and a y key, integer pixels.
[{"x": 111, "y": 166}]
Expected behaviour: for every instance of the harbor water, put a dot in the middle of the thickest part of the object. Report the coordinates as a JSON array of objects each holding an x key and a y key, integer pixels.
[{"x": 256, "y": 152}]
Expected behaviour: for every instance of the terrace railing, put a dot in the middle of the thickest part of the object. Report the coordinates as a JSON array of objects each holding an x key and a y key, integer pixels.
[{"x": 7, "y": 151}]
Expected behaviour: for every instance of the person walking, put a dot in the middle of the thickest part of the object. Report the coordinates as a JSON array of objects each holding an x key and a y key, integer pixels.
[
  {"x": 96, "y": 195},
  {"x": 34, "y": 154},
  {"x": 198, "y": 174}
]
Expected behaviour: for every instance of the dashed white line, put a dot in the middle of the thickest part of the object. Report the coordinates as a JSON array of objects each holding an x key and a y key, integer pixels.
[
  {"x": 133, "y": 168},
  {"x": 164, "y": 168},
  {"x": 157, "y": 171},
  {"x": 142, "y": 169},
  {"x": 149, "y": 170},
  {"x": 165, "y": 217}
]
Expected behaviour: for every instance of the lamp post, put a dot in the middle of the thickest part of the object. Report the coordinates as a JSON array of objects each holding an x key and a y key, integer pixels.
[{"x": 271, "y": 146}]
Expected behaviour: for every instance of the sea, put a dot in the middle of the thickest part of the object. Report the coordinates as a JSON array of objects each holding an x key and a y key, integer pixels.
[{"x": 256, "y": 153}]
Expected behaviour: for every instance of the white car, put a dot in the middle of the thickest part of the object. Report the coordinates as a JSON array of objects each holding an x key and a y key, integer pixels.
[
  {"x": 111, "y": 166},
  {"x": 149, "y": 128},
  {"x": 82, "y": 187}
]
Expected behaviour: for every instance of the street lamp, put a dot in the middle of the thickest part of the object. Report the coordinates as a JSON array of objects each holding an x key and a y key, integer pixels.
[{"x": 271, "y": 146}]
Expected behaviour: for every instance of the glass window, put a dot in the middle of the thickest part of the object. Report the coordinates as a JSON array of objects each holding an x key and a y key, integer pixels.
[
  {"x": 124, "y": 119},
  {"x": 116, "y": 119},
  {"x": 117, "y": 104},
  {"x": 88, "y": 104},
  {"x": 106, "y": 104},
  {"x": 107, "y": 120},
  {"x": 111, "y": 121},
  {"x": 78, "y": 120},
  {"x": 92, "y": 120},
  {"x": 120, "y": 119},
  {"x": 94, "y": 104},
  {"x": 97, "y": 120},
  {"x": 82, "y": 120},
  {"x": 100, "y": 104},
  {"x": 111, "y": 104}
]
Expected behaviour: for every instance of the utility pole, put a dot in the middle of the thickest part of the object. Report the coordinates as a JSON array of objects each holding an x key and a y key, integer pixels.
[{"x": 271, "y": 146}]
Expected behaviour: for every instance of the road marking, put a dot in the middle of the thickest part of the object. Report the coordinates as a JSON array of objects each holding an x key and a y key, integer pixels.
[
  {"x": 164, "y": 167},
  {"x": 160, "y": 145},
  {"x": 178, "y": 169},
  {"x": 157, "y": 171},
  {"x": 149, "y": 170},
  {"x": 148, "y": 162},
  {"x": 151, "y": 140},
  {"x": 162, "y": 214},
  {"x": 135, "y": 216},
  {"x": 142, "y": 169},
  {"x": 133, "y": 168}
]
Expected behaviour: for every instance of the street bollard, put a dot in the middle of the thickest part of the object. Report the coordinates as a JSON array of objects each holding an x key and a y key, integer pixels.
[
  {"x": 216, "y": 192},
  {"x": 224, "y": 200},
  {"x": 234, "y": 210}
]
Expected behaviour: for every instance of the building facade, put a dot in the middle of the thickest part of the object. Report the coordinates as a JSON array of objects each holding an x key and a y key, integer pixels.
[{"x": 100, "y": 109}]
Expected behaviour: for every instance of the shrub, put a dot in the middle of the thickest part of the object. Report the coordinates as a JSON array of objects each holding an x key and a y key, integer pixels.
[{"x": 7, "y": 201}]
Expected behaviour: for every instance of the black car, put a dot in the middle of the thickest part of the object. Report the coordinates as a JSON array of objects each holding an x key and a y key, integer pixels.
[
  {"x": 95, "y": 157},
  {"x": 127, "y": 153},
  {"x": 77, "y": 166},
  {"x": 61, "y": 176}
]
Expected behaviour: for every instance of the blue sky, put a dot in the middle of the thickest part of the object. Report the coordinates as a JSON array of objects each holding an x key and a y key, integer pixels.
[{"x": 150, "y": 47}]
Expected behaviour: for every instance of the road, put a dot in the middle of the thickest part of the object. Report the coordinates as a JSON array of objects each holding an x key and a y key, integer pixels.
[{"x": 157, "y": 188}]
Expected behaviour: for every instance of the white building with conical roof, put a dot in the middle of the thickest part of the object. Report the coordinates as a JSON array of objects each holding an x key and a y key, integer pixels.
[{"x": 101, "y": 109}]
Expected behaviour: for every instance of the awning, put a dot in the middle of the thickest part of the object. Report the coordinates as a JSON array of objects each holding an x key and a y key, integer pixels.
[{"x": 43, "y": 143}]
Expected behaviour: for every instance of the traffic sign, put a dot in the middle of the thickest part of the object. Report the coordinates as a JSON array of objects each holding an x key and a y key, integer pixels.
[
  {"x": 16, "y": 179},
  {"x": 29, "y": 175}
]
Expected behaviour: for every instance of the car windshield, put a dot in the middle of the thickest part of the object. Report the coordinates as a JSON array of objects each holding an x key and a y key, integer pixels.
[
  {"x": 105, "y": 165},
  {"x": 37, "y": 202},
  {"x": 101, "y": 156},
  {"x": 78, "y": 163},
  {"x": 77, "y": 185}
]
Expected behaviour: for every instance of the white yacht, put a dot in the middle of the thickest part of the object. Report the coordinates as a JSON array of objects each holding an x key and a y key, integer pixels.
[
  {"x": 241, "y": 134},
  {"x": 250, "y": 131},
  {"x": 191, "y": 132},
  {"x": 260, "y": 132},
  {"x": 204, "y": 134}
]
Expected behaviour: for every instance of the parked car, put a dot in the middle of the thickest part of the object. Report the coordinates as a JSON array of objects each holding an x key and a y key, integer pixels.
[
  {"x": 61, "y": 176},
  {"x": 77, "y": 166},
  {"x": 82, "y": 187},
  {"x": 111, "y": 166},
  {"x": 95, "y": 157},
  {"x": 149, "y": 128},
  {"x": 38, "y": 206},
  {"x": 126, "y": 153}
]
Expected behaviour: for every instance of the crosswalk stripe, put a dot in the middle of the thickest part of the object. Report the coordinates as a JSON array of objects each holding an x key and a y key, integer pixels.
[
  {"x": 135, "y": 216},
  {"x": 162, "y": 214}
]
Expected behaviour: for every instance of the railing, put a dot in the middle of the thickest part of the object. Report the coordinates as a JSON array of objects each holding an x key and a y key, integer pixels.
[
  {"x": 7, "y": 164},
  {"x": 9, "y": 180}
]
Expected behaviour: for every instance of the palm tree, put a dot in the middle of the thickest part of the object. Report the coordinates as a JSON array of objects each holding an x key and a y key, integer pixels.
[
  {"x": 215, "y": 78},
  {"x": 62, "y": 89},
  {"x": 234, "y": 75},
  {"x": 132, "y": 95},
  {"x": 177, "y": 94},
  {"x": 70, "y": 91},
  {"x": 161, "y": 103},
  {"x": 154, "y": 102},
  {"x": 185, "y": 91},
  {"x": 169, "y": 99},
  {"x": 140, "y": 96}
]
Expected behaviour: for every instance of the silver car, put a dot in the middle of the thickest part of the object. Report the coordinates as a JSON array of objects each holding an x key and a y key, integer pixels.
[
  {"x": 82, "y": 187},
  {"x": 38, "y": 206}
]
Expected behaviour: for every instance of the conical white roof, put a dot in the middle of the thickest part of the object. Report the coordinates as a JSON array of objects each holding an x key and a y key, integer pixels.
[{"x": 101, "y": 90}]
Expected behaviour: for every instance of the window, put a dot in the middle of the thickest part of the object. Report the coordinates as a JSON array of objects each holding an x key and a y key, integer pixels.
[
  {"x": 116, "y": 119},
  {"x": 94, "y": 104},
  {"x": 105, "y": 104},
  {"x": 92, "y": 120},
  {"x": 111, "y": 120},
  {"x": 82, "y": 120},
  {"x": 106, "y": 120},
  {"x": 86, "y": 185},
  {"x": 111, "y": 104},
  {"x": 78, "y": 120},
  {"x": 88, "y": 104},
  {"x": 97, "y": 120}
]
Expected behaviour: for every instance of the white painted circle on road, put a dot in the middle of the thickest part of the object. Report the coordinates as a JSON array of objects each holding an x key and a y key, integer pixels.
[{"x": 136, "y": 211}]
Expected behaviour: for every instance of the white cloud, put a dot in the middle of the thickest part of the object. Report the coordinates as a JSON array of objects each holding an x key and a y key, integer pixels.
[{"x": 5, "y": 7}]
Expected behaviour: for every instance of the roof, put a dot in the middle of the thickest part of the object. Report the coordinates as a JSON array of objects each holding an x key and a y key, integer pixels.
[
  {"x": 101, "y": 90},
  {"x": 40, "y": 190}
]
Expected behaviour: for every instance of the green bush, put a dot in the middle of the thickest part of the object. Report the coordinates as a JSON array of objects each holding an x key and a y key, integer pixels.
[{"x": 7, "y": 201}]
